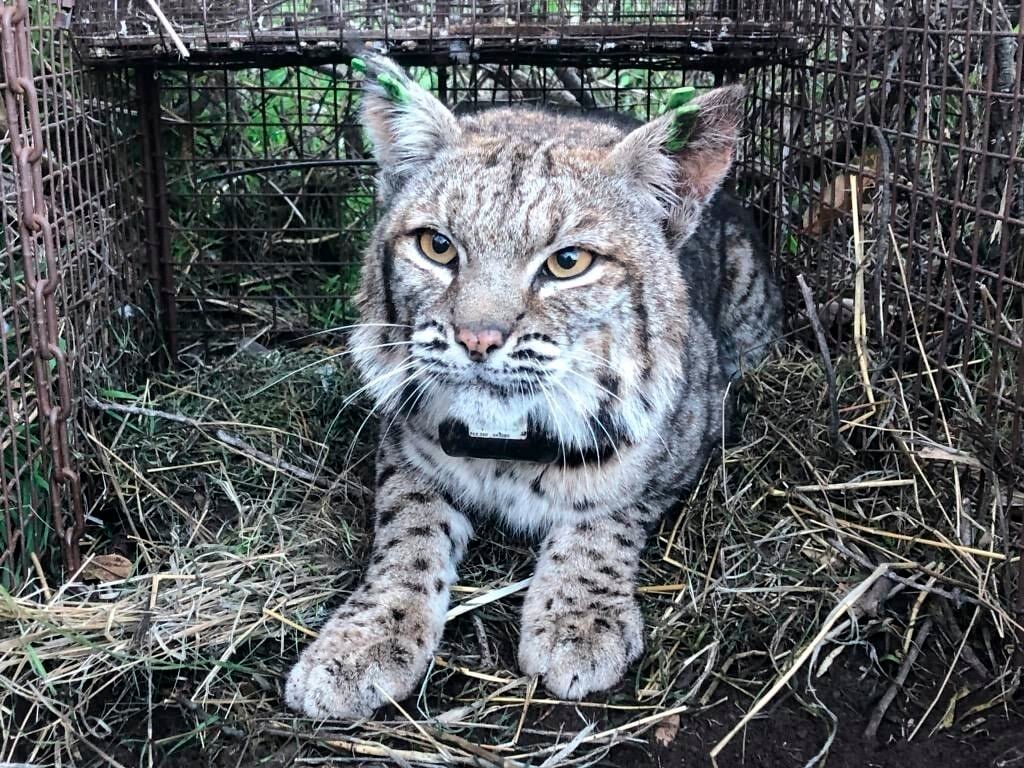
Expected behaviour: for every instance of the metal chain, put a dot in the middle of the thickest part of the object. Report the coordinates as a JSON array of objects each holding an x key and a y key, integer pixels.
[{"x": 42, "y": 275}]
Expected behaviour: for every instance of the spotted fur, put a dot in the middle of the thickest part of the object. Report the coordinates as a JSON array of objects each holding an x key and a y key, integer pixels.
[{"x": 625, "y": 368}]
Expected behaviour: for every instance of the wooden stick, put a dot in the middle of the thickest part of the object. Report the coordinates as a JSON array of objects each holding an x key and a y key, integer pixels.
[
  {"x": 850, "y": 486},
  {"x": 871, "y": 732},
  {"x": 271, "y": 461},
  {"x": 611, "y": 732},
  {"x": 826, "y": 359},
  {"x": 168, "y": 28},
  {"x": 42, "y": 575},
  {"x": 487, "y": 597},
  {"x": 849, "y": 600},
  {"x": 860, "y": 325}
]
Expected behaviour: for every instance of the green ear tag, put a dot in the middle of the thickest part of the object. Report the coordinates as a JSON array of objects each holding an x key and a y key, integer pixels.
[
  {"x": 685, "y": 117},
  {"x": 681, "y": 96},
  {"x": 394, "y": 88}
]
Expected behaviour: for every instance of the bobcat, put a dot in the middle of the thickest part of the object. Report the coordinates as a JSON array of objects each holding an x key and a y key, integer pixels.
[{"x": 552, "y": 308}]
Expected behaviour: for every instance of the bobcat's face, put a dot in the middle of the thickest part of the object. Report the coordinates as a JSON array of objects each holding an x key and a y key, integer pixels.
[
  {"x": 525, "y": 264},
  {"x": 527, "y": 275}
]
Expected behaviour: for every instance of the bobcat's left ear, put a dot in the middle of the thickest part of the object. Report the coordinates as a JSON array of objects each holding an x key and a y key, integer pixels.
[
  {"x": 407, "y": 125},
  {"x": 681, "y": 158}
]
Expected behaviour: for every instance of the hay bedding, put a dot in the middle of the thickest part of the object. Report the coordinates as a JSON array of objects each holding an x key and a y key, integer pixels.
[{"x": 235, "y": 514}]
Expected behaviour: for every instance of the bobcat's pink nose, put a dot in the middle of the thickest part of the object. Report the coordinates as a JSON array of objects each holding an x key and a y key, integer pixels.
[{"x": 479, "y": 339}]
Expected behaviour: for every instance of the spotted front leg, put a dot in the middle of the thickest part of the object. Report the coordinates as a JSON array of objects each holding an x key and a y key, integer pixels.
[
  {"x": 380, "y": 642},
  {"x": 581, "y": 624}
]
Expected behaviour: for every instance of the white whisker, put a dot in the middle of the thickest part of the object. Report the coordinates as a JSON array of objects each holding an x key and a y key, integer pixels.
[
  {"x": 586, "y": 420},
  {"x": 324, "y": 360},
  {"x": 390, "y": 393},
  {"x": 598, "y": 421},
  {"x": 597, "y": 358},
  {"x": 593, "y": 383},
  {"x": 408, "y": 364},
  {"x": 555, "y": 413},
  {"x": 339, "y": 328},
  {"x": 417, "y": 393}
]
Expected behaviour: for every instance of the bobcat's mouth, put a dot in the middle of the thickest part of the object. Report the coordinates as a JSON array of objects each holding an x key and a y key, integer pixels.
[{"x": 499, "y": 381}]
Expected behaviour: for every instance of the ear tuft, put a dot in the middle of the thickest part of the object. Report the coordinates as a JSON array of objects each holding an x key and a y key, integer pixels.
[
  {"x": 641, "y": 159},
  {"x": 706, "y": 156},
  {"x": 680, "y": 159},
  {"x": 407, "y": 125}
]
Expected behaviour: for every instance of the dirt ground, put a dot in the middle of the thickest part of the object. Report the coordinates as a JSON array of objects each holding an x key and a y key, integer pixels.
[
  {"x": 790, "y": 736},
  {"x": 787, "y": 735}
]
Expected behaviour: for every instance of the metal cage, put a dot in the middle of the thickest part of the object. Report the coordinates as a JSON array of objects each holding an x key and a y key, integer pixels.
[
  {"x": 567, "y": 31},
  {"x": 69, "y": 286},
  {"x": 888, "y": 164},
  {"x": 882, "y": 154}
]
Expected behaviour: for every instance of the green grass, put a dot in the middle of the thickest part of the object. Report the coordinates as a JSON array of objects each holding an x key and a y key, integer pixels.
[{"x": 29, "y": 509}]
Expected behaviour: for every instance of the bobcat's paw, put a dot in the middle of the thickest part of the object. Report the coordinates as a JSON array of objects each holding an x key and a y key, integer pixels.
[
  {"x": 352, "y": 669},
  {"x": 578, "y": 652}
]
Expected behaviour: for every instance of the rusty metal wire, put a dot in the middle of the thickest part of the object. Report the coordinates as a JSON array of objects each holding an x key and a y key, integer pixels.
[
  {"x": 65, "y": 286},
  {"x": 710, "y": 32},
  {"x": 914, "y": 109}
]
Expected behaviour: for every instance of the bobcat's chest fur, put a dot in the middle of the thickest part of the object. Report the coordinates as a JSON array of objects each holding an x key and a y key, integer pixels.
[
  {"x": 651, "y": 472},
  {"x": 527, "y": 495}
]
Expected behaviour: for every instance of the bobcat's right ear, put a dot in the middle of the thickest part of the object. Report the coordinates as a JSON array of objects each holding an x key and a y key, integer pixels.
[
  {"x": 681, "y": 158},
  {"x": 406, "y": 124}
]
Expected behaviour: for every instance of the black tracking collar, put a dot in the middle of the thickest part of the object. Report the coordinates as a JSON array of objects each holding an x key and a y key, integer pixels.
[{"x": 538, "y": 447}]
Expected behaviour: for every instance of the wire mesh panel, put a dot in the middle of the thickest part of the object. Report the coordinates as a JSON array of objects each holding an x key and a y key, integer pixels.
[
  {"x": 691, "y": 31},
  {"x": 268, "y": 214},
  {"x": 269, "y": 182},
  {"x": 890, "y": 164},
  {"x": 66, "y": 315}
]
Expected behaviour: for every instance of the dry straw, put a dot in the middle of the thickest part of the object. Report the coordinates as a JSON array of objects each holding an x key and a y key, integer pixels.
[{"x": 244, "y": 526}]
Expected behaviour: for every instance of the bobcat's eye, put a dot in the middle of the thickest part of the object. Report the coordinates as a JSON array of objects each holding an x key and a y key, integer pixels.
[
  {"x": 436, "y": 247},
  {"x": 568, "y": 262}
]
